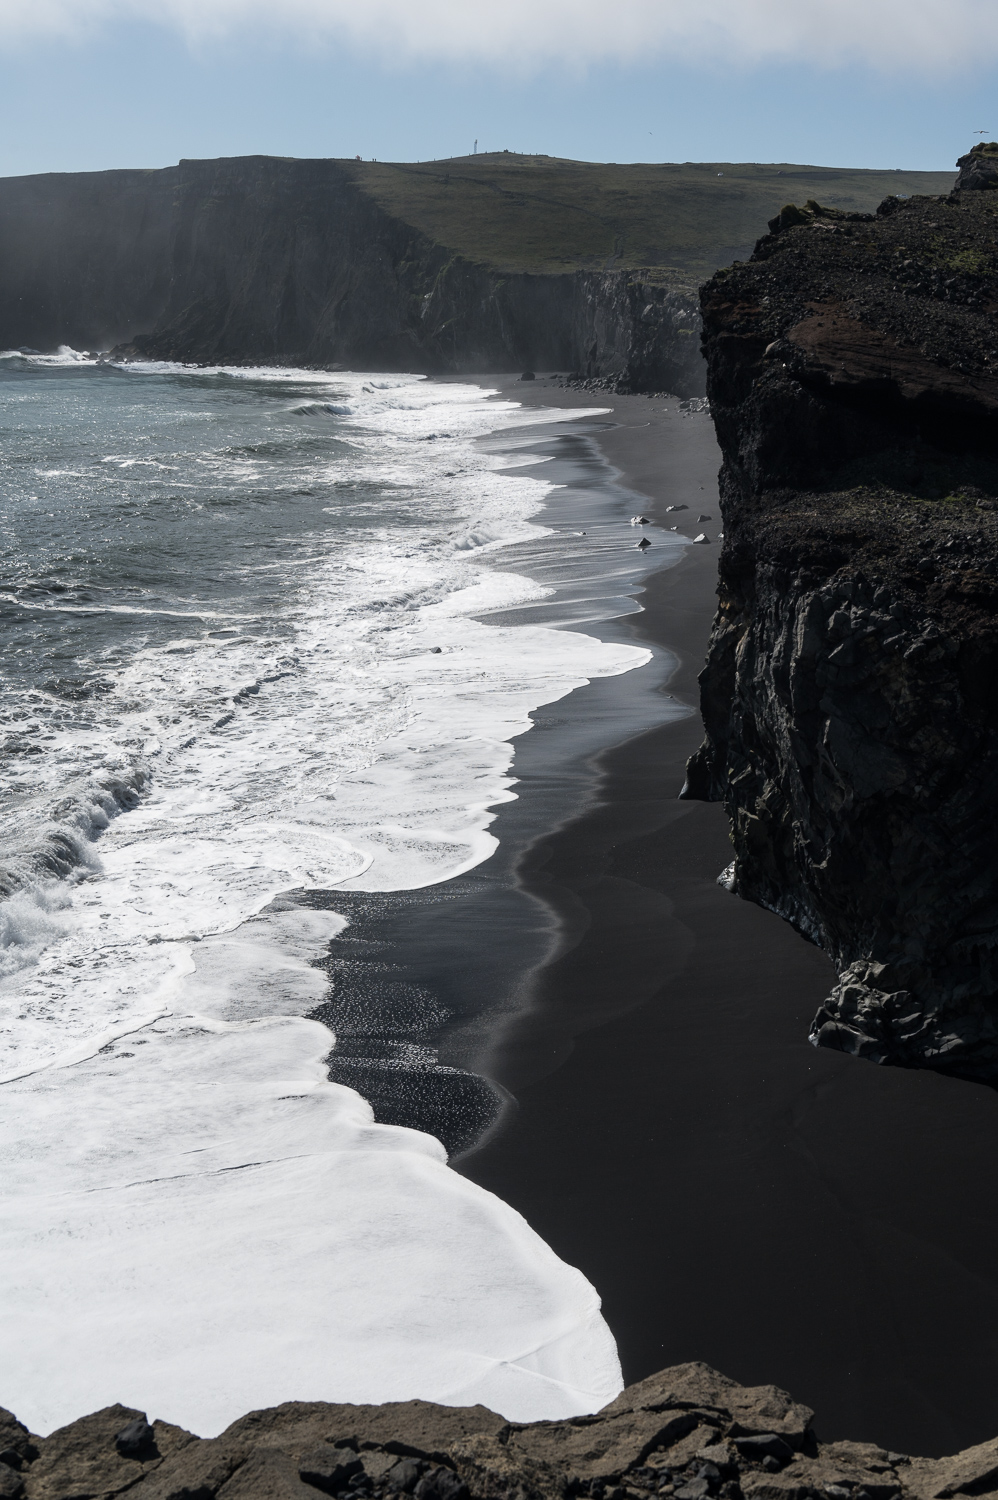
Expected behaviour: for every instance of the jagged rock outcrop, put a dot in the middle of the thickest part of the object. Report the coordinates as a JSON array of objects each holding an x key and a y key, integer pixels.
[
  {"x": 848, "y": 698},
  {"x": 979, "y": 168},
  {"x": 261, "y": 259},
  {"x": 634, "y": 335},
  {"x": 688, "y": 1433}
]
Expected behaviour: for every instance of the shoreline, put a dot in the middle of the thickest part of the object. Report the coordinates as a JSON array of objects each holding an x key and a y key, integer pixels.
[
  {"x": 200, "y": 1183},
  {"x": 465, "y": 949},
  {"x": 736, "y": 1196}
]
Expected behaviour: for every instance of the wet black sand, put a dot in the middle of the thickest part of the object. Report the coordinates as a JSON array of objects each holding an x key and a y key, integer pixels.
[
  {"x": 785, "y": 1214},
  {"x": 426, "y": 982}
]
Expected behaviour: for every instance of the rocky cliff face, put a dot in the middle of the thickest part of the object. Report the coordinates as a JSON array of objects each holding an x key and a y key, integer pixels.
[
  {"x": 261, "y": 259},
  {"x": 687, "y": 1432},
  {"x": 636, "y": 335},
  {"x": 84, "y": 257},
  {"x": 979, "y": 168},
  {"x": 849, "y": 694}
]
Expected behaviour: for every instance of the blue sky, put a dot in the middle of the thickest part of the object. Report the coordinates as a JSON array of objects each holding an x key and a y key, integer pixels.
[{"x": 88, "y": 84}]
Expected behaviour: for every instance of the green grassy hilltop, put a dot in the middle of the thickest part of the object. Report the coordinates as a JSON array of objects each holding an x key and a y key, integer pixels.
[{"x": 678, "y": 220}]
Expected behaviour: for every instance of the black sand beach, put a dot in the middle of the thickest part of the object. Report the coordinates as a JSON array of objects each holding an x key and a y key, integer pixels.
[
  {"x": 624, "y": 1044},
  {"x": 787, "y": 1215}
]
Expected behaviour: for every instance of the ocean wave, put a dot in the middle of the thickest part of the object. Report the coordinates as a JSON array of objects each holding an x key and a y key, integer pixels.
[
  {"x": 333, "y": 711},
  {"x": 61, "y": 843},
  {"x": 63, "y": 357},
  {"x": 321, "y": 408}
]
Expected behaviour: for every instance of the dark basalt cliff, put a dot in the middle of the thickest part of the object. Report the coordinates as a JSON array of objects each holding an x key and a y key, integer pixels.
[
  {"x": 260, "y": 259},
  {"x": 687, "y": 1432},
  {"x": 851, "y": 690}
]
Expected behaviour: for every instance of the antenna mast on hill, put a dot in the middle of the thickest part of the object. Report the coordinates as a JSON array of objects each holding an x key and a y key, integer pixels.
[{"x": 475, "y": 152}]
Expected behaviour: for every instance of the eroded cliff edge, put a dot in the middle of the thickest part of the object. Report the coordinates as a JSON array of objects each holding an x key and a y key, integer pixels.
[
  {"x": 849, "y": 696},
  {"x": 687, "y": 1432}
]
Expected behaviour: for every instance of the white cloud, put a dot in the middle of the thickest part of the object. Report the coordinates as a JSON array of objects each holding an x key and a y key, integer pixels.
[{"x": 888, "y": 34}]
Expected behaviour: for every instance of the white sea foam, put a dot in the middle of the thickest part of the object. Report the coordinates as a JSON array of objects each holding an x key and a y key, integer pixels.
[
  {"x": 367, "y": 750},
  {"x": 363, "y": 745},
  {"x": 197, "y": 1223}
]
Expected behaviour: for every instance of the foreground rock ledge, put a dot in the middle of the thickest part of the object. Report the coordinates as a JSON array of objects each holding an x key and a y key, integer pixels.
[{"x": 687, "y": 1432}]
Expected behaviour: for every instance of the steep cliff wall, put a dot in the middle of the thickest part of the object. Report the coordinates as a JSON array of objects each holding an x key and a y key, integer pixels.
[
  {"x": 639, "y": 335},
  {"x": 84, "y": 256},
  {"x": 849, "y": 694},
  {"x": 263, "y": 259},
  {"x": 289, "y": 261},
  {"x": 481, "y": 263}
]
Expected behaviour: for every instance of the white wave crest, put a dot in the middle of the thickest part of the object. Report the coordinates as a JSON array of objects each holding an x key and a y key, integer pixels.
[{"x": 183, "y": 1177}]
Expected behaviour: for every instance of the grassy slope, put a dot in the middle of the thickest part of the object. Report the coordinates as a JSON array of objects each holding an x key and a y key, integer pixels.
[{"x": 537, "y": 213}]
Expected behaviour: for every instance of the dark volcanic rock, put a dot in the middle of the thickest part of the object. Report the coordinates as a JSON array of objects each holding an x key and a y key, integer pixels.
[
  {"x": 16, "y": 1443},
  {"x": 84, "y": 1462},
  {"x": 441, "y": 1483},
  {"x": 267, "y": 1475},
  {"x": 196, "y": 1470},
  {"x": 686, "y": 1432},
  {"x": 636, "y": 336},
  {"x": 604, "y": 1449},
  {"x": 405, "y": 1475},
  {"x": 11, "y": 1481},
  {"x": 979, "y": 168},
  {"x": 329, "y": 1469},
  {"x": 737, "y": 1410},
  {"x": 852, "y": 725},
  {"x": 136, "y": 1439},
  {"x": 413, "y": 1429},
  {"x": 493, "y": 1469}
]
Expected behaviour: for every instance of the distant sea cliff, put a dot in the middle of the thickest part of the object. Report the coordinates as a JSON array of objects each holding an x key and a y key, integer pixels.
[
  {"x": 259, "y": 259},
  {"x": 482, "y": 264}
]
